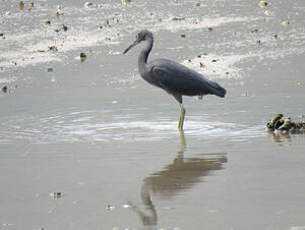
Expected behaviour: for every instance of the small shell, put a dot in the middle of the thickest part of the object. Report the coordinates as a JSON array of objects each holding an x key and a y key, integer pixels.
[
  {"x": 88, "y": 4},
  {"x": 285, "y": 23},
  {"x": 263, "y": 4}
]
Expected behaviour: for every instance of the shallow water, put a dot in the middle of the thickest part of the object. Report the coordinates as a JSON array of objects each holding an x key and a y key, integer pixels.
[{"x": 107, "y": 141}]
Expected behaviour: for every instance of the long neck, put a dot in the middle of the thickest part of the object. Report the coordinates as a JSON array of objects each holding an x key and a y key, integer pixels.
[{"x": 142, "y": 60}]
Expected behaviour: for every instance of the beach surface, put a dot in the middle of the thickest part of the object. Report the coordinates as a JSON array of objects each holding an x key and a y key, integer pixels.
[{"x": 88, "y": 144}]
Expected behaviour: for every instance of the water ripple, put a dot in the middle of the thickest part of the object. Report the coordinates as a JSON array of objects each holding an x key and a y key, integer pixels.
[{"x": 93, "y": 126}]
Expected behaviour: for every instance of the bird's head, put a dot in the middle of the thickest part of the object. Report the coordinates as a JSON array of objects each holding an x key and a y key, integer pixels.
[{"x": 144, "y": 35}]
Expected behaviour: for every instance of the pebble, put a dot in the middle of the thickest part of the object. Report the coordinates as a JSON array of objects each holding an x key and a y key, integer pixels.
[
  {"x": 21, "y": 5},
  {"x": 4, "y": 89},
  {"x": 65, "y": 28},
  {"x": 83, "y": 57}
]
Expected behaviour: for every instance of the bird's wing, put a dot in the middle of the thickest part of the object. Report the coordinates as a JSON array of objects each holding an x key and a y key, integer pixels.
[{"x": 176, "y": 78}]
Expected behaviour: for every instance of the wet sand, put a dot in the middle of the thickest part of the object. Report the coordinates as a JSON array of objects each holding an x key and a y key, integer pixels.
[{"x": 106, "y": 142}]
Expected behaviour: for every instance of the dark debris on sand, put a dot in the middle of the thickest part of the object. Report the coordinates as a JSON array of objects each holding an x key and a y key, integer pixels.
[{"x": 284, "y": 124}]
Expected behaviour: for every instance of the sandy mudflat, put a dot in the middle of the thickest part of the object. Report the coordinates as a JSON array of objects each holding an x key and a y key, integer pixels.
[{"x": 90, "y": 145}]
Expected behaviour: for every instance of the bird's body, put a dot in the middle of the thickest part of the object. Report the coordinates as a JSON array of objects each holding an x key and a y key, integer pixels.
[
  {"x": 178, "y": 79},
  {"x": 174, "y": 78}
]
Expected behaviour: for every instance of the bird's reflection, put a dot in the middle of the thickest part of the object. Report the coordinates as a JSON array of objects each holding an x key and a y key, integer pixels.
[
  {"x": 182, "y": 174},
  {"x": 285, "y": 138},
  {"x": 280, "y": 137}
]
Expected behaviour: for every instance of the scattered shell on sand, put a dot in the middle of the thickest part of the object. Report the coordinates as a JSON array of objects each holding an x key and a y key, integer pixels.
[
  {"x": 197, "y": 4},
  {"x": 59, "y": 10},
  {"x": 21, "y": 5},
  {"x": 88, "y": 4},
  {"x": 285, "y": 23},
  {"x": 115, "y": 20},
  {"x": 7, "y": 13},
  {"x": 182, "y": 35},
  {"x": 263, "y": 4},
  {"x": 55, "y": 195},
  {"x": 177, "y": 19},
  {"x": 110, "y": 207},
  {"x": 107, "y": 24},
  {"x": 275, "y": 36},
  {"x": 4, "y": 89},
  {"x": 83, "y": 57},
  {"x": 210, "y": 29},
  {"x": 59, "y": 13},
  {"x": 267, "y": 12},
  {"x": 284, "y": 124},
  {"x": 53, "y": 48},
  {"x": 125, "y": 2},
  {"x": 64, "y": 27}
]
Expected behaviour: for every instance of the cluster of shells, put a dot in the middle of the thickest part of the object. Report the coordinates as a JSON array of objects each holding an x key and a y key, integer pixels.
[{"x": 283, "y": 123}]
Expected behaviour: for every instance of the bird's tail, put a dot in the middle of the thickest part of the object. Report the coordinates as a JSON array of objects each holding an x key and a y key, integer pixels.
[{"x": 217, "y": 90}]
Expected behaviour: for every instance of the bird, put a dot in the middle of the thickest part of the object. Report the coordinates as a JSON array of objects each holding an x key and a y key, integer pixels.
[{"x": 176, "y": 79}]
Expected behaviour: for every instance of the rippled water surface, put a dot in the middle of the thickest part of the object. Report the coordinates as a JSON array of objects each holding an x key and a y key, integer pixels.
[{"x": 91, "y": 145}]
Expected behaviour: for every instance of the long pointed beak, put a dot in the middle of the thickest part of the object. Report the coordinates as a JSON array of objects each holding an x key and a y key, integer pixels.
[{"x": 132, "y": 45}]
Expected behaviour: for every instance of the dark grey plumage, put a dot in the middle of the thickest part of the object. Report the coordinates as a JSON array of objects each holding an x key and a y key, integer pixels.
[{"x": 174, "y": 78}]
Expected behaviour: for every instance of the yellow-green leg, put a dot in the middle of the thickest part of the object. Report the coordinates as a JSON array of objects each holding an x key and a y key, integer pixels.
[{"x": 181, "y": 119}]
